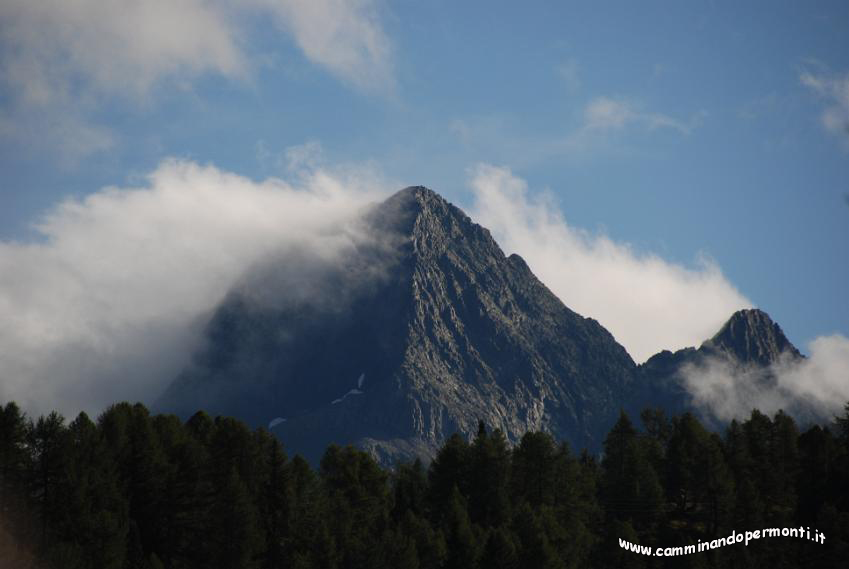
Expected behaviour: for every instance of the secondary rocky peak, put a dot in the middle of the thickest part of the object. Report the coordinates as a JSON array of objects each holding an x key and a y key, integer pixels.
[{"x": 751, "y": 336}]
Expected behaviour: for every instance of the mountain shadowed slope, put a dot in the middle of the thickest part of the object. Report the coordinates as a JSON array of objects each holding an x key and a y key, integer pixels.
[{"x": 425, "y": 328}]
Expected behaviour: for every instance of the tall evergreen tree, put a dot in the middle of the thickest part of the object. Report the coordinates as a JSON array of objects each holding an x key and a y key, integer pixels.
[
  {"x": 534, "y": 471},
  {"x": 275, "y": 501},
  {"x": 630, "y": 487},
  {"x": 234, "y": 534},
  {"x": 14, "y": 470},
  {"x": 358, "y": 499},
  {"x": 500, "y": 550},
  {"x": 47, "y": 441},
  {"x": 489, "y": 471},
  {"x": 449, "y": 468},
  {"x": 463, "y": 547},
  {"x": 409, "y": 490},
  {"x": 93, "y": 508}
]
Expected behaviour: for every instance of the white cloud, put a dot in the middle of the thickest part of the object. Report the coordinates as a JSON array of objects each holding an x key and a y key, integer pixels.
[
  {"x": 834, "y": 89},
  {"x": 647, "y": 303},
  {"x": 114, "y": 45},
  {"x": 63, "y": 57},
  {"x": 815, "y": 388},
  {"x": 127, "y": 47},
  {"x": 345, "y": 36},
  {"x": 607, "y": 114},
  {"x": 104, "y": 308}
]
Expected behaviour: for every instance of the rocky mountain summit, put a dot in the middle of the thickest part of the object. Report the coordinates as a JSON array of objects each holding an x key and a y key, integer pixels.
[
  {"x": 423, "y": 328},
  {"x": 749, "y": 343},
  {"x": 751, "y": 336}
]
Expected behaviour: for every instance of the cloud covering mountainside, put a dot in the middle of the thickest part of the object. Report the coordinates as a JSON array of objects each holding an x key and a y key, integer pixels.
[{"x": 109, "y": 304}]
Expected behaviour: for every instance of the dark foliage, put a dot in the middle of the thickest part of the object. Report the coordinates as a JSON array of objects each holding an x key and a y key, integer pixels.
[{"x": 136, "y": 491}]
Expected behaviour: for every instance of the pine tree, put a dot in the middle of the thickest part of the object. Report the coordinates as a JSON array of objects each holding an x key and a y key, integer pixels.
[
  {"x": 460, "y": 538},
  {"x": 534, "y": 467},
  {"x": 310, "y": 543},
  {"x": 410, "y": 490},
  {"x": 187, "y": 495},
  {"x": 817, "y": 453},
  {"x": 536, "y": 550},
  {"x": 94, "y": 510},
  {"x": 784, "y": 466},
  {"x": 489, "y": 471},
  {"x": 575, "y": 508},
  {"x": 431, "y": 547},
  {"x": 358, "y": 500},
  {"x": 630, "y": 487},
  {"x": 129, "y": 434},
  {"x": 275, "y": 503},
  {"x": 500, "y": 551},
  {"x": 14, "y": 468},
  {"x": 235, "y": 537},
  {"x": 450, "y": 468},
  {"x": 46, "y": 440}
]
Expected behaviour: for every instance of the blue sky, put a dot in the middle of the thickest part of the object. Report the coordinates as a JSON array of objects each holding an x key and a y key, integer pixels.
[{"x": 687, "y": 131}]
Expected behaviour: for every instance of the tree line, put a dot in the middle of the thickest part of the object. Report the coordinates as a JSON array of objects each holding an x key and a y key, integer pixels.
[{"x": 140, "y": 491}]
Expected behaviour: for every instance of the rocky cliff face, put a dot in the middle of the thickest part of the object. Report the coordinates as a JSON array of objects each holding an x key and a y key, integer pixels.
[{"x": 447, "y": 331}]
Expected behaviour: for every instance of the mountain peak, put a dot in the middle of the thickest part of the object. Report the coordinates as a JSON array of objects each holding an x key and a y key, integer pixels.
[
  {"x": 751, "y": 336},
  {"x": 431, "y": 223},
  {"x": 413, "y": 200},
  {"x": 447, "y": 332},
  {"x": 418, "y": 192}
]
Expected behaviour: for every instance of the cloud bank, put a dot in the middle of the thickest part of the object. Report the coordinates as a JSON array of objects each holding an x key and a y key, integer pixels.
[
  {"x": 108, "y": 305},
  {"x": 815, "y": 388},
  {"x": 647, "y": 303}
]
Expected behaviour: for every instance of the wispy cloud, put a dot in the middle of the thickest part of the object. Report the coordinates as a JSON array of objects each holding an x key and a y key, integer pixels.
[
  {"x": 647, "y": 303},
  {"x": 65, "y": 58},
  {"x": 72, "y": 136},
  {"x": 113, "y": 46},
  {"x": 603, "y": 124},
  {"x": 609, "y": 114},
  {"x": 344, "y": 36},
  {"x": 833, "y": 89},
  {"x": 58, "y": 59}
]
